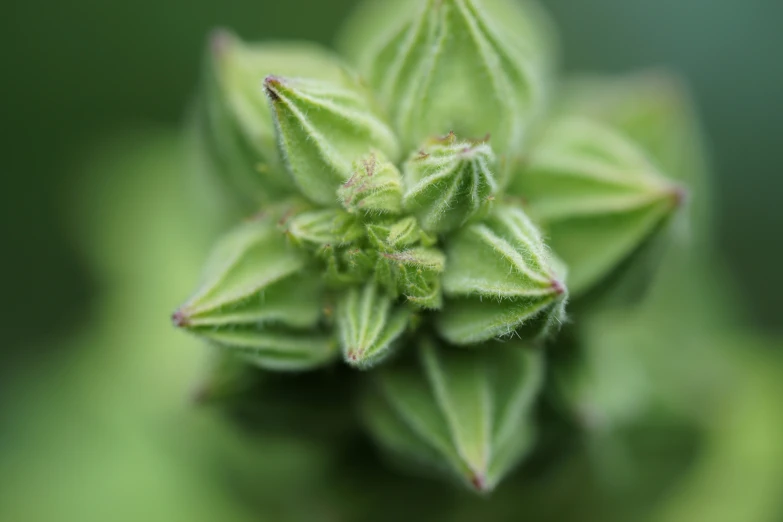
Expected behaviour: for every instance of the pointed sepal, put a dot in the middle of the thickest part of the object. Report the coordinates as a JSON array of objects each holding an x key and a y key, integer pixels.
[
  {"x": 598, "y": 196},
  {"x": 449, "y": 181},
  {"x": 370, "y": 324},
  {"x": 257, "y": 300},
  {"x": 234, "y": 129},
  {"x": 469, "y": 413},
  {"x": 323, "y": 128},
  {"x": 500, "y": 280}
]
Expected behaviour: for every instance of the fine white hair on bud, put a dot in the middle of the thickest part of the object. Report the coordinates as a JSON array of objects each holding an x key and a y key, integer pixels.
[
  {"x": 375, "y": 187},
  {"x": 257, "y": 301},
  {"x": 500, "y": 280},
  {"x": 323, "y": 127},
  {"x": 449, "y": 181},
  {"x": 369, "y": 324},
  {"x": 235, "y": 133}
]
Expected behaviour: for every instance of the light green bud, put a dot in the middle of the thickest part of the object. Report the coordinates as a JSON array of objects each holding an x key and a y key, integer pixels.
[
  {"x": 236, "y": 136},
  {"x": 393, "y": 236},
  {"x": 453, "y": 65},
  {"x": 450, "y": 181},
  {"x": 414, "y": 273},
  {"x": 319, "y": 228},
  {"x": 597, "y": 195},
  {"x": 500, "y": 280},
  {"x": 369, "y": 324},
  {"x": 323, "y": 128},
  {"x": 257, "y": 300},
  {"x": 654, "y": 110},
  {"x": 465, "y": 412},
  {"x": 374, "y": 188}
]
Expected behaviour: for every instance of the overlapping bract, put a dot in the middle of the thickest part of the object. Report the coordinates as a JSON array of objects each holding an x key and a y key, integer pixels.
[
  {"x": 500, "y": 277},
  {"x": 396, "y": 223},
  {"x": 440, "y": 65},
  {"x": 469, "y": 413},
  {"x": 235, "y": 132},
  {"x": 450, "y": 181},
  {"x": 258, "y": 300},
  {"x": 598, "y": 196}
]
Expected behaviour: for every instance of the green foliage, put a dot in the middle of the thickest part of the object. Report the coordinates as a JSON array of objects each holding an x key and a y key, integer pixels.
[{"x": 431, "y": 216}]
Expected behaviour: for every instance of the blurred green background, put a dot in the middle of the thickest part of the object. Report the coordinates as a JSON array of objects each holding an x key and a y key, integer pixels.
[
  {"x": 79, "y": 73},
  {"x": 76, "y": 71}
]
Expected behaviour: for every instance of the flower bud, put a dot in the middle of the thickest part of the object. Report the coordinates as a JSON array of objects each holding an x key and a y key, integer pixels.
[
  {"x": 257, "y": 301},
  {"x": 468, "y": 412},
  {"x": 459, "y": 65},
  {"x": 323, "y": 128},
  {"x": 500, "y": 280},
  {"x": 413, "y": 273},
  {"x": 653, "y": 109},
  {"x": 449, "y": 181},
  {"x": 369, "y": 325},
  {"x": 393, "y": 236},
  {"x": 237, "y": 141},
  {"x": 319, "y": 228},
  {"x": 374, "y": 188},
  {"x": 597, "y": 195}
]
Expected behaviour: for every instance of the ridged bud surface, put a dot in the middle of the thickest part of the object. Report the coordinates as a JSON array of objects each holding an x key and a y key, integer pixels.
[
  {"x": 449, "y": 181},
  {"x": 500, "y": 280},
  {"x": 323, "y": 128},
  {"x": 369, "y": 324},
  {"x": 235, "y": 132},
  {"x": 257, "y": 301},
  {"x": 465, "y": 412},
  {"x": 597, "y": 195},
  {"x": 443, "y": 65}
]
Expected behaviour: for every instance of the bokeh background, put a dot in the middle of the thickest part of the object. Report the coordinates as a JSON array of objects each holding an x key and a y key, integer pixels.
[{"x": 79, "y": 73}]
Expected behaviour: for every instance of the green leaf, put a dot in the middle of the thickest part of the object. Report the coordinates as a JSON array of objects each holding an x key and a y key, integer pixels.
[
  {"x": 500, "y": 280},
  {"x": 375, "y": 187},
  {"x": 323, "y": 128},
  {"x": 369, "y": 324},
  {"x": 234, "y": 127},
  {"x": 466, "y": 66},
  {"x": 449, "y": 181},
  {"x": 465, "y": 412},
  {"x": 598, "y": 197}
]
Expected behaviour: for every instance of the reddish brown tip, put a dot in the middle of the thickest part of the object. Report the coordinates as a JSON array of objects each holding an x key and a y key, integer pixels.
[
  {"x": 558, "y": 287},
  {"x": 180, "y": 319},
  {"x": 679, "y": 196},
  {"x": 220, "y": 42},
  {"x": 271, "y": 84},
  {"x": 478, "y": 482}
]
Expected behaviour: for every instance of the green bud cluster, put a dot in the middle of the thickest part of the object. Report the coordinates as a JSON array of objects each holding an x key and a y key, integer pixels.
[{"x": 426, "y": 215}]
